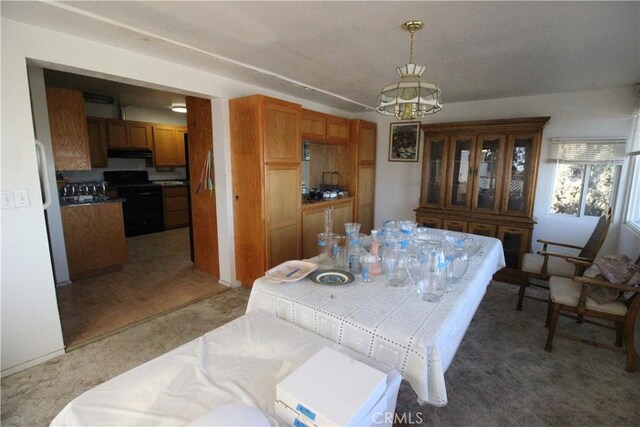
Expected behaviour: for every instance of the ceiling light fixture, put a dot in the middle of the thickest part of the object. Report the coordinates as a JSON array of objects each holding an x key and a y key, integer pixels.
[
  {"x": 179, "y": 108},
  {"x": 410, "y": 98}
]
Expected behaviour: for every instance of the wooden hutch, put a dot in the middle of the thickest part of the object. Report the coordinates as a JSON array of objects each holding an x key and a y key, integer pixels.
[{"x": 480, "y": 177}]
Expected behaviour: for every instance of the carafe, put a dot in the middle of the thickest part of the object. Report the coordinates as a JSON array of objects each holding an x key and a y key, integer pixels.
[
  {"x": 355, "y": 251},
  {"x": 393, "y": 263},
  {"x": 427, "y": 270}
]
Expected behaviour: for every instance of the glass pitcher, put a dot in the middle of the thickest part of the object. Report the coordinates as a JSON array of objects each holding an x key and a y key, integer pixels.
[
  {"x": 393, "y": 262},
  {"x": 427, "y": 270}
]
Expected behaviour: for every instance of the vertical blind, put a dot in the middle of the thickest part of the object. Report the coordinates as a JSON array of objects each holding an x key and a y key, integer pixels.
[{"x": 588, "y": 150}]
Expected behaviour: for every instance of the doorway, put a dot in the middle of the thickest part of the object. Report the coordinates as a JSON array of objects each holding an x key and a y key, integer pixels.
[{"x": 157, "y": 273}]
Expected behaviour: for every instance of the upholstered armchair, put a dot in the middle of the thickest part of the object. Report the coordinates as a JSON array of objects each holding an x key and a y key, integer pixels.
[{"x": 572, "y": 295}]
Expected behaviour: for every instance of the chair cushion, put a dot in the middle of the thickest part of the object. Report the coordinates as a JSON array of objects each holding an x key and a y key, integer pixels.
[
  {"x": 532, "y": 263},
  {"x": 566, "y": 291}
]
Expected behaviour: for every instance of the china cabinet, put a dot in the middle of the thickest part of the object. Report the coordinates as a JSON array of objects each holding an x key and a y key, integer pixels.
[
  {"x": 480, "y": 178},
  {"x": 266, "y": 151}
]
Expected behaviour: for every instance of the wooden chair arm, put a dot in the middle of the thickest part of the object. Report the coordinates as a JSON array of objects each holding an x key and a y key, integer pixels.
[
  {"x": 588, "y": 281},
  {"x": 566, "y": 257},
  {"x": 565, "y": 245},
  {"x": 581, "y": 261}
]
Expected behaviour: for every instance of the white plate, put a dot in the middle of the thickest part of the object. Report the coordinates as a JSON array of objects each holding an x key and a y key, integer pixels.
[{"x": 286, "y": 272}]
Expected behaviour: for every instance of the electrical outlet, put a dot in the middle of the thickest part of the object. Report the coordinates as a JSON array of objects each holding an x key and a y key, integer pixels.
[
  {"x": 21, "y": 198},
  {"x": 7, "y": 200}
]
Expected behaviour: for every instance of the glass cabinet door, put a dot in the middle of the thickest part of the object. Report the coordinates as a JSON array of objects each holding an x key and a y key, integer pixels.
[
  {"x": 488, "y": 173},
  {"x": 461, "y": 154},
  {"x": 434, "y": 172},
  {"x": 519, "y": 175}
]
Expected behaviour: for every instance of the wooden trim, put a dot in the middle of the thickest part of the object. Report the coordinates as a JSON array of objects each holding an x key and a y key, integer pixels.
[{"x": 533, "y": 124}]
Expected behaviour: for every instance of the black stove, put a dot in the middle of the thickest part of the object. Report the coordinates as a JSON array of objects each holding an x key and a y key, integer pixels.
[{"x": 143, "y": 207}]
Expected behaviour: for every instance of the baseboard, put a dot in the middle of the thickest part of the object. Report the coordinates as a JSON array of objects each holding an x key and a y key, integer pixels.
[{"x": 31, "y": 363}]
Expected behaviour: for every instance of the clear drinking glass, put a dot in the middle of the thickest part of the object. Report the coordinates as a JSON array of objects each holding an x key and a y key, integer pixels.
[
  {"x": 351, "y": 228},
  {"x": 393, "y": 263},
  {"x": 326, "y": 243}
]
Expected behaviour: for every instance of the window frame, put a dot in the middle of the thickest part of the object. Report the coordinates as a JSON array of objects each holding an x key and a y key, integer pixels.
[
  {"x": 632, "y": 208},
  {"x": 586, "y": 172}
]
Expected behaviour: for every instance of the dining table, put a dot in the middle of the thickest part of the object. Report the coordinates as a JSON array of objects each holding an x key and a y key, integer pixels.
[{"x": 392, "y": 325}]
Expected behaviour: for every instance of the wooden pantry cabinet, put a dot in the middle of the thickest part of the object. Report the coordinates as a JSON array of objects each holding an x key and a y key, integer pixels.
[
  {"x": 68, "y": 126},
  {"x": 480, "y": 177},
  {"x": 363, "y": 158},
  {"x": 266, "y": 177}
]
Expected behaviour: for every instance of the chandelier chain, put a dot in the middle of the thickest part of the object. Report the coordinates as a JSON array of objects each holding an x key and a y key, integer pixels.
[{"x": 411, "y": 48}]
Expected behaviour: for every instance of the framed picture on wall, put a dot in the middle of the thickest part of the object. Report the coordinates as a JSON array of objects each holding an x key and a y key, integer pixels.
[{"x": 404, "y": 142}]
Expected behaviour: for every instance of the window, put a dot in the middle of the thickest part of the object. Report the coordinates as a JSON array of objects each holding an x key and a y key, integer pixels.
[
  {"x": 587, "y": 174},
  {"x": 583, "y": 189}
]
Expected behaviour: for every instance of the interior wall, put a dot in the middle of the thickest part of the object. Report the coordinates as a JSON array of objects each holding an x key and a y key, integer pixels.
[
  {"x": 598, "y": 113},
  {"x": 30, "y": 324}
]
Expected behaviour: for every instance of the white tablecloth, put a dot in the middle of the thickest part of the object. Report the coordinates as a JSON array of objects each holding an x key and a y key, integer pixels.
[
  {"x": 391, "y": 325},
  {"x": 240, "y": 362}
]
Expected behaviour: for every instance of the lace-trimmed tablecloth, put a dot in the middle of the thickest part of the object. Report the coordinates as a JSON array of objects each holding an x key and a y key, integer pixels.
[{"x": 390, "y": 325}]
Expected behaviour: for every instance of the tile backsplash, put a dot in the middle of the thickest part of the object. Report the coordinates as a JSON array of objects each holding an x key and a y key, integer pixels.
[{"x": 177, "y": 173}]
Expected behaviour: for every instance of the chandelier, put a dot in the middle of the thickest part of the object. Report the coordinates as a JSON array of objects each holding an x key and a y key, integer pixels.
[{"x": 410, "y": 97}]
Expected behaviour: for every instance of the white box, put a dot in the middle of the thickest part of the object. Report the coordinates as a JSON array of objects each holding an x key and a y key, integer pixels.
[{"x": 331, "y": 389}]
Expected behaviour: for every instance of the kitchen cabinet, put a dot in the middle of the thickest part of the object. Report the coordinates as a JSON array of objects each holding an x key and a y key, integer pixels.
[
  {"x": 68, "y": 126},
  {"x": 98, "y": 144},
  {"x": 313, "y": 216},
  {"x": 94, "y": 238},
  {"x": 313, "y": 126},
  {"x": 129, "y": 134},
  {"x": 363, "y": 159},
  {"x": 324, "y": 128},
  {"x": 480, "y": 177},
  {"x": 168, "y": 145},
  {"x": 176, "y": 208},
  {"x": 266, "y": 178}
]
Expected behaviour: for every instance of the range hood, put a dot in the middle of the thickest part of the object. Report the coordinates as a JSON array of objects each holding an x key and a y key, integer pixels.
[{"x": 137, "y": 153}]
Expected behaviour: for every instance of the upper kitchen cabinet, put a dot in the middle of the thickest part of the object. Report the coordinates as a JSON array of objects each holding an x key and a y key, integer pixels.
[
  {"x": 337, "y": 130},
  {"x": 168, "y": 145},
  {"x": 266, "y": 177},
  {"x": 324, "y": 128},
  {"x": 98, "y": 144},
  {"x": 68, "y": 125},
  {"x": 313, "y": 126},
  {"x": 129, "y": 134}
]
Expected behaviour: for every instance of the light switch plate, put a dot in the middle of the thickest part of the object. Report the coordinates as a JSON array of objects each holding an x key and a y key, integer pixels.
[
  {"x": 7, "y": 200},
  {"x": 21, "y": 198}
]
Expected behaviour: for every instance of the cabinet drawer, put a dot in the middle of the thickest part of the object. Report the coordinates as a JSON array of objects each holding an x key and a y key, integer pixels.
[
  {"x": 175, "y": 191},
  {"x": 172, "y": 204},
  {"x": 460, "y": 226},
  {"x": 424, "y": 221},
  {"x": 488, "y": 230},
  {"x": 176, "y": 219}
]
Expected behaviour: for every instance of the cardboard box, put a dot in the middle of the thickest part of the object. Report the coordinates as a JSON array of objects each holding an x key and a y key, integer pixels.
[{"x": 330, "y": 389}]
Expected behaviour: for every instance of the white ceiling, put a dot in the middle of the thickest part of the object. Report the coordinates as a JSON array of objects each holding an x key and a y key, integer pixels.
[{"x": 472, "y": 50}]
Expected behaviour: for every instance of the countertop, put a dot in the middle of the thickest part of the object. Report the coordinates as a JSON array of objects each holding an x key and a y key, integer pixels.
[
  {"x": 64, "y": 204},
  {"x": 324, "y": 203}
]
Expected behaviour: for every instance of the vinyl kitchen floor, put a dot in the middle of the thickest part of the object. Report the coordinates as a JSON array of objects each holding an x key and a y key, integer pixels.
[{"x": 157, "y": 278}]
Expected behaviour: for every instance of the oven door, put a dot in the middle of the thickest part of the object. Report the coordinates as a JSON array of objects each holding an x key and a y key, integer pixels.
[{"x": 143, "y": 210}]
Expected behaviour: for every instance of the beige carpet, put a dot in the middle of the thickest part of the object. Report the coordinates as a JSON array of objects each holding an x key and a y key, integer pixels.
[{"x": 500, "y": 376}]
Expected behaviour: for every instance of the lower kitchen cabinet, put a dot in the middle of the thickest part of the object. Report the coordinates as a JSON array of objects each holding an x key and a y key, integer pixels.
[
  {"x": 176, "y": 209},
  {"x": 94, "y": 238},
  {"x": 313, "y": 216}
]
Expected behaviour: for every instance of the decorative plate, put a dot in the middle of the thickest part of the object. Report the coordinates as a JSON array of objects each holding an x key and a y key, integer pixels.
[
  {"x": 290, "y": 271},
  {"x": 331, "y": 277}
]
